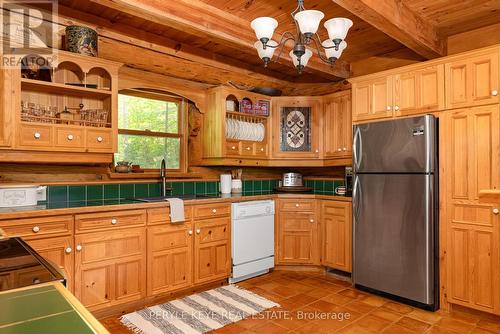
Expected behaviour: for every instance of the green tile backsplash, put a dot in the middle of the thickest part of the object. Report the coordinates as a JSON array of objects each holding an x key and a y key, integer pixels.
[{"x": 132, "y": 190}]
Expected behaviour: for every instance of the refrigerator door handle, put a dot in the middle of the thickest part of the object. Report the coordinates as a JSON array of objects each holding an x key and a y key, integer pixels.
[
  {"x": 356, "y": 195},
  {"x": 357, "y": 145}
]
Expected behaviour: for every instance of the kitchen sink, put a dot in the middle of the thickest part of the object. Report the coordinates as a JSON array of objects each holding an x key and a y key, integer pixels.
[{"x": 164, "y": 198}]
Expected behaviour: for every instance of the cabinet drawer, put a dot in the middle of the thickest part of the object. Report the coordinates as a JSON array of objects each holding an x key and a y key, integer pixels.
[
  {"x": 213, "y": 230},
  {"x": 162, "y": 215},
  {"x": 297, "y": 205},
  {"x": 247, "y": 149},
  {"x": 31, "y": 228},
  {"x": 99, "y": 140},
  {"x": 69, "y": 138},
  {"x": 109, "y": 220},
  {"x": 211, "y": 210},
  {"x": 35, "y": 135},
  {"x": 233, "y": 147},
  {"x": 260, "y": 150}
]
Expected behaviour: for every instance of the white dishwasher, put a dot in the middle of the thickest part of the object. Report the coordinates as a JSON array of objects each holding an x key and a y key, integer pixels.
[{"x": 252, "y": 231}]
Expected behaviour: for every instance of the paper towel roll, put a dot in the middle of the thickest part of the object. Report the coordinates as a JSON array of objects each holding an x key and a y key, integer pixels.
[{"x": 225, "y": 183}]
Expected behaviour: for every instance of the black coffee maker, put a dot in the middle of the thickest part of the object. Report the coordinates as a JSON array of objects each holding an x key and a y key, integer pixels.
[{"x": 348, "y": 180}]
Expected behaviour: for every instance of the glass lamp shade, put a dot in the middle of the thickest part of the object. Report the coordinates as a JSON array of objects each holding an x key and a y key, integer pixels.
[
  {"x": 267, "y": 52},
  {"x": 332, "y": 52},
  {"x": 264, "y": 27},
  {"x": 303, "y": 60},
  {"x": 338, "y": 27},
  {"x": 309, "y": 20}
]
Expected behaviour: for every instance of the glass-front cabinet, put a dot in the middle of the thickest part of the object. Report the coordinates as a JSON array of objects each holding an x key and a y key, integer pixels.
[{"x": 296, "y": 127}]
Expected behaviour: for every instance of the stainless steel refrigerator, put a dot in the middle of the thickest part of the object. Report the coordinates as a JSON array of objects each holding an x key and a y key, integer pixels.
[{"x": 395, "y": 209}]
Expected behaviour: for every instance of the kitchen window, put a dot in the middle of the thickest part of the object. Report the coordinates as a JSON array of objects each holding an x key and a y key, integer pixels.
[{"x": 150, "y": 128}]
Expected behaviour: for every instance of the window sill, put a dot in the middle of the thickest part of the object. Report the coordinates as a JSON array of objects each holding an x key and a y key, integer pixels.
[{"x": 154, "y": 175}]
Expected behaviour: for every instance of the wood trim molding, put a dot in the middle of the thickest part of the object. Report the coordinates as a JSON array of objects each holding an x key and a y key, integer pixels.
[{"x": 395, "y": 19}]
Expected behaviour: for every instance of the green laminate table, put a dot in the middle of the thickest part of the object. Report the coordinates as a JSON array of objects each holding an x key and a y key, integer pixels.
[{"x": 45, "y": 309}]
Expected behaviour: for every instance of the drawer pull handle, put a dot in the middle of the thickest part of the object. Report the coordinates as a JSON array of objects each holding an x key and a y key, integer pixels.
[
  {"x": 190, "y": 232},
  {"x": 249, "y": 148},
  {"x": 214, "y": 211},
  {"x": 496, "y": 211},
  {"x": 198, "y": 231},
  {"x": 36, "y": 280},
  {"x": 79, "y": 248},
  {"x": 210, "y": 232},
  {"x": 262, "y": 149},
  {"x": 37, "y": 135},
  {"x": 388, "y": 108},
  {"x": 317, "y": 151},
  {"x": 396, "y": 108},
  {"x": 36, "y": 229},
  {"x": 68, "y": 250},
  {"x": 114, "y": 221},
  {"x": 344, "y": 149},
  {"x": 99, "y": 139},
  {"x": 70, "y": 137},
  {"x": 311, "y": 220},
  {"x": 297, "y": 205},
  {"x": 494, "y": 92},
  {"x": 233, "y": 147},
  {"x": 339, "y": 149}
]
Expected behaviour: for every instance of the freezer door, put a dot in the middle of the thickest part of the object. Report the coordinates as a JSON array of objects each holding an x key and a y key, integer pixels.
[
  {"x": 397, "y": 146},
  {"x": 393, "y": 234}
]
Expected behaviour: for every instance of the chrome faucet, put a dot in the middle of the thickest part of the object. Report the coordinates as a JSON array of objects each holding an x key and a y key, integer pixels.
[{"x": 163, "y": 175}]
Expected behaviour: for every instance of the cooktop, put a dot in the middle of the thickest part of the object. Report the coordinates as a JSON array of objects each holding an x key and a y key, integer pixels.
[{"x": 21, "y": 266}]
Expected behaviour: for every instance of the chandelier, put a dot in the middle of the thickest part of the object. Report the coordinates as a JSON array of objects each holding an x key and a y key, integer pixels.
[{"x": 306, "y": 24}]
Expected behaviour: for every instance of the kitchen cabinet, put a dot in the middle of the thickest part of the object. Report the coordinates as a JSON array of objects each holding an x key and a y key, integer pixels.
[
  {"x": 6, "y": 105},
  {"x": 60, "y": 252},
  {"x": 372, "y": 98},
  {"x": 473, "y": 228},
  {"x": 296, "y": 131},
  {"x": 297, "y": 233},
  {"x": 472, "y": 80},
  {"x": 337, "y": 125},
  {"x": 419, "y": 91},
  {"x": 336, "y": 232},
  {"x": 212, "y": 249},
  {"x": 110, "y": 268}
]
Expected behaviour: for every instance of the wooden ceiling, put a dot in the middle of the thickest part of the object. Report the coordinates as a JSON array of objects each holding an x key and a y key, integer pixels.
[{"x": 217, "y": 32}]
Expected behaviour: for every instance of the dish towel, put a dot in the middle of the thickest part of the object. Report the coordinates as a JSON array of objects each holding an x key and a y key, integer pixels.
[{"x": 176, "y": 210}]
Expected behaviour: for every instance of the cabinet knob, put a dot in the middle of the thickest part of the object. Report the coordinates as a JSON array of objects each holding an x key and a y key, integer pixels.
[
  {"x": 114, "y": 221},
  {"x": 36, "y": 229},
  {"x": 79, "y": 248},
  {"x": 248, "y": 148},
  {"x": 233, "y": 147},
  {"x": 37, "y": 135},
  {"x": 494, "y": 92},
  {"x": 339, "y": 149},
  {"x": 297, "y": 205},
  {"x": 388, "y": 108},
  {"x": 262, "y": 149},
  {"x": 496, "y": 211},
  {"x": 198, "y": 231},
  {"x": 396, "y": 108},
  {"x": 190, "y": 232},
  {"x": 317, "y": 151},
  {"x": 344, "y": 149},
  {"x": 99, "y": 139},
  {"x": 311, "y": 220},
  {"x": 214, "y": 210},
  {"x": 70, "y": 137},
  {"x": 68, "y": 250}
]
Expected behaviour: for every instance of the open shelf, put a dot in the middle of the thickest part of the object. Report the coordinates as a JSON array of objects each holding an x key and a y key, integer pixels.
[
  {"x": 58, "y": 88},
  {"x": 236, "y": 114}
]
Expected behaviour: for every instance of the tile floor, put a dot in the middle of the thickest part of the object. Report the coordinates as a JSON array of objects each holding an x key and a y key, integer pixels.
[{"x": 315, "y": 295}]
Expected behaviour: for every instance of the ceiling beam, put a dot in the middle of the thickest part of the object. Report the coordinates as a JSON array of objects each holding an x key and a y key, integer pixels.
[
  {"x": 200, "y": 19},
  {"x": 398, "y": 21}
]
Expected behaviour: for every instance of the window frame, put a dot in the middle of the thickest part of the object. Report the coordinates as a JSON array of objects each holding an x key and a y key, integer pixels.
[{"x": 182, "y": 126}]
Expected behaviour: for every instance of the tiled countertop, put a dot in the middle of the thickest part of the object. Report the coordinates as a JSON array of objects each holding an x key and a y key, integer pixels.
[{"x": 72, "y": 207}]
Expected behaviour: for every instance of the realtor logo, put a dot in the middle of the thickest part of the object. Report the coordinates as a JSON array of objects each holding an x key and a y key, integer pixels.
[{"x": 28, "y": 27}]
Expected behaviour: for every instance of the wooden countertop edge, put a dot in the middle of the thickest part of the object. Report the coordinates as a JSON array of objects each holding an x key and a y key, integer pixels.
[{"x": 131, "y": 206}]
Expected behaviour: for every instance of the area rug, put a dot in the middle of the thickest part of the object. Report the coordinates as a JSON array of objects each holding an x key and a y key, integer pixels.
[{"x": 198, "y": 313}]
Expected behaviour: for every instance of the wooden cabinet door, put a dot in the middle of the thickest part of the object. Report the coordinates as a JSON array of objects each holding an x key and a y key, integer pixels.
[
  {"x": 372, "y": 99},
  {"x": 212, "y": 258},
  {"x": 337, "y": 125},
  {"x": 59, "y": 251},
  {"x": 7, "y": 104},
  {"x": 336, "y": 232},
  {"x": 472, "y": 81},
  {"x": 298, "y": 238},
  {"x": 419, "y": 91},
  {"x": 170, "y": 250},
  {"x": 314, "y": 129},
  {"x": 110, "y": 268}
]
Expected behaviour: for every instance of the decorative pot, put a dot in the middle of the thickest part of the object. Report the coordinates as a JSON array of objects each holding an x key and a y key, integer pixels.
[{"x": 82, "y": 40}]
